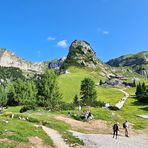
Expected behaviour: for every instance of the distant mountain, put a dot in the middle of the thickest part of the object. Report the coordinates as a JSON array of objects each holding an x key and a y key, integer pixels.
[
  {"x": 9, "y": 59},
  {"x": 138, "y": 62},
  {"x": 80, "y": 54}
]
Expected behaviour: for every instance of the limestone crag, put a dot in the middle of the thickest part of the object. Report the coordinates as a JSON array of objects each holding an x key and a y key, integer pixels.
[
  {"x": 9, "y": 59},
  {"x": 81, "y": 54}
]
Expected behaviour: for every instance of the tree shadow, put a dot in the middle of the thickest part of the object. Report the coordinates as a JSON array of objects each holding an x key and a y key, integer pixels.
[
  {"x": 144, "y": 108},
  {"x": 137, "y": 103}
]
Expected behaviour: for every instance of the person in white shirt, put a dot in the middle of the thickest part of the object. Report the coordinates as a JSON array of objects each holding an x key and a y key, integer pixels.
[{"x": 126, "y": 126}]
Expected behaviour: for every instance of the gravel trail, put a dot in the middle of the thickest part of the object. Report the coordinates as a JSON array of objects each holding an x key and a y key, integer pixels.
[
  {"x": 106, "y": 141},
  {"x": 56, "y": 137}
]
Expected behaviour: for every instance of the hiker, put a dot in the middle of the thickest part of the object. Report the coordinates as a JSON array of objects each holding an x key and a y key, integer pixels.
[
  {"x": 125, "y": 126},
  {"x": 115, "y": 130},
  {"x": 69, "y": 114},
  {"x": 89, "y": 116},
  {"x": 79, "y": 110}
]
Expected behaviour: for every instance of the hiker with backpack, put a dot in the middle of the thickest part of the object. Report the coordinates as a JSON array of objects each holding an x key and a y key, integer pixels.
[
  {"x": 125, "y": 126},
  {"x": 115, "y": 130}
]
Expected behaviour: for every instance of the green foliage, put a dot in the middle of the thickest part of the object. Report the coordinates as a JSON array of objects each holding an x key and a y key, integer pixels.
[
  {"x": 10, "y": 73},
  {"x": 101, "y": 82},
  {"x": 88, "y": 92},
  {"x": 30, "y": 93},
  {"x": 22, "y": 92},
  {"x": 3, "y": 97},
  {"x": 113, "y": 108},
  {"x": 26, "y": 108},
  {"x": 48, "y": 91},
  {"x": 67, "y": 106},
  {"x": 142, "y": 93},
  {"x": 76, "y": 100},
  {"x": 134, "y": 83}
]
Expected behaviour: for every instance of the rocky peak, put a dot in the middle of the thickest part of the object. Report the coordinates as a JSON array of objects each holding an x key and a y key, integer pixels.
[
  {"x": 81, "y": 54},
  {"x": 9, "y": 59}
]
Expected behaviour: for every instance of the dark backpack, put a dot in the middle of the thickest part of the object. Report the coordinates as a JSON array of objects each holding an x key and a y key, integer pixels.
[
  {"x": 124, "y": 125},
  {"x": 115, "y": 127}
]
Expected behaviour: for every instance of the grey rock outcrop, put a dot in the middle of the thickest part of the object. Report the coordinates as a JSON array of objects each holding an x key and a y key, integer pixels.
[
  {"x": 9, "y": 59},
  {"x": 81, "y": 54}
]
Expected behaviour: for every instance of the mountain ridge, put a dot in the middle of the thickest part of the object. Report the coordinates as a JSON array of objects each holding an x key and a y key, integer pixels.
[
  {"x": 9, "y": 59},
  {"x": 80, "y": 54},
  {"x": 138, "y": 62}
]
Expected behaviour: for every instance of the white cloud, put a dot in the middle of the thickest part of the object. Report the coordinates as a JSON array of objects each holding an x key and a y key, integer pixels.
[
  {"x": 101, "y": 31},
  {"x": 62, "y": 44},
  {"x": 105, "y": 32},
  {"x": 51, "y": 38}
]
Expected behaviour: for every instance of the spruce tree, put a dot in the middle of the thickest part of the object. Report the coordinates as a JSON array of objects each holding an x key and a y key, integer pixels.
[
  {"x": 76, "y": 100},
  {"x": 143, "y": 87},
  {"x": 88, "y": 92},
  {"x": 49, "y": 91},
  {"x": 134, "y": 83},
  {"x": 3, "y": 97},
  {"x": 101, "y": 82}
]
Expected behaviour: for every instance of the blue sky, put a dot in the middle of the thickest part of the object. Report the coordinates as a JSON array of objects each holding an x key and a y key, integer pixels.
[{"x": 40, "y": 30}]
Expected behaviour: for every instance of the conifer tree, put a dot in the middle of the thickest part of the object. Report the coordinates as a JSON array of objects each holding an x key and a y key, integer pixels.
[{"x": 88, "y": 92}]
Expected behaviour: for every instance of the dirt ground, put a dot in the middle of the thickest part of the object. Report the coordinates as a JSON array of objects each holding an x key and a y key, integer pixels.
[
  {"x": 96, "y": 126},
  {"x": 34, "y": 142}
]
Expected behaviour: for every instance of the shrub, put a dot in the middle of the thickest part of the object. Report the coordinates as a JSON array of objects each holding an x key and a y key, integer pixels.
[
  {"x": 26, "y": 108},
  {"x": 113, "y": 108},
  {"x": 67, "y": 106}
]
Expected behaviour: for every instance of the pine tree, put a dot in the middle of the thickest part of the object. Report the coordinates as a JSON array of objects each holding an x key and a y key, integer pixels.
[
  {"x": 11, "y": 96},
  {"x": 101, "y": 82},
  {"x": 134, "y": 83},
  {"x": 49, "y": 91},
  {"x": 3, "y": 97},
  {"x": 139, "y": 89},
  {"x": 76, "y": 100},
  {"x": 88, "y": 92},
  {"x": 30, "y": 93},
  {"x": 143, "y": 87},
  {"x": 142, "y": 93}
]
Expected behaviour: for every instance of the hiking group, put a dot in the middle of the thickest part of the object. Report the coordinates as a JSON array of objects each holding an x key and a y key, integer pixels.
[{"x": 116, "y": 129}]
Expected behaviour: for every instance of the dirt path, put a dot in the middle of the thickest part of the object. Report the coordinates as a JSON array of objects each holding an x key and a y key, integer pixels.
[
  {"x": 37, "y": 142},
  {"x": 56, "y": 137},
  {"x": 106, "y": 141},
  {"x": 94, "y": 126},
  {"x": 123, "y": 100}
]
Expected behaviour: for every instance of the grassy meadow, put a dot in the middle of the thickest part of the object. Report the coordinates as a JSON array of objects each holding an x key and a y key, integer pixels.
[{"x": 18, "y": 131}]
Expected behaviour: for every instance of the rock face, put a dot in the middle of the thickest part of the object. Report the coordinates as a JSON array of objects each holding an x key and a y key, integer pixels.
[
  {"x": 9, "y": 59},
  {"x": 138, "y": 62},
  {"x": 56, "y": 64},
  {"x": 81, "y": 54}
]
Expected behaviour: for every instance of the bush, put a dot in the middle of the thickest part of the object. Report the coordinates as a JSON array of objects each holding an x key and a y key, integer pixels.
[
  {"x": 113, "y": 108},
  {"x": 97, "y": 104},
  {"x": 26, "y": 108},
  {"x": 76, "y": 117},
  {"x": 67, "y": 106}
]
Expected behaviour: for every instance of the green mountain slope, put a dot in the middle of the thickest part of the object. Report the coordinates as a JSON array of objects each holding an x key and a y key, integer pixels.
[
  {"x": 138, "y": 62},
  {"x": 69, "y": 85}
]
